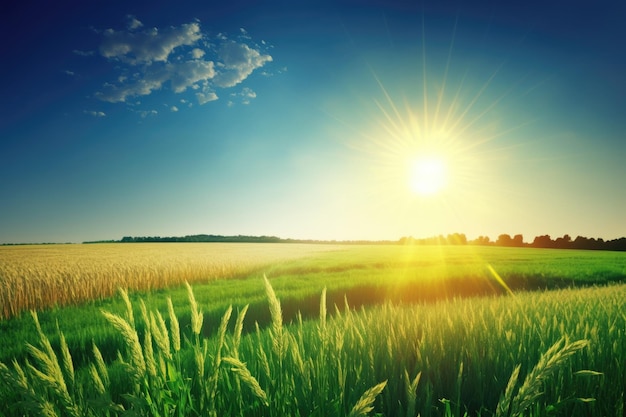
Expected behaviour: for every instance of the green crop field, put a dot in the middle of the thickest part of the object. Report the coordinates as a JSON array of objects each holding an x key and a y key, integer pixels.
[{"x": 359, "y": 330}]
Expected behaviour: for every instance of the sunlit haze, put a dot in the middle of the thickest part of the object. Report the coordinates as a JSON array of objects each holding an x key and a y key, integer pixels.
[{"x": 312, "y": 120}]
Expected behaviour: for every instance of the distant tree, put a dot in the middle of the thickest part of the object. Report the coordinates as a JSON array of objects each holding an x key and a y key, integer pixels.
[
  {"x": 598, "y": 244},
  {"x": 504, "y": 240},
  {"x": 563, "y": 242},
  {"x": 457, "y": 239},
  {"x": 616, "y": 244},
  {"x": 518, "y": 240},
  {"x": 481, "y": 240},
  {"x": 543, "y": 241},
  {"x": 580, "y": 242}
]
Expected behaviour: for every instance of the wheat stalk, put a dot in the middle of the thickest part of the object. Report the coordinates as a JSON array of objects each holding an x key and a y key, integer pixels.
[
  {"x": 51, "y": 374},
  {"x": 161, "y": 335},
  {"x": 504, "y": 405},
  {"x": 532, "y": 388},
  {"x": 364, "y": 405},
  {"x": 238, "y": 330},
  {"x": 411, "y": 392},
  {"x": 276, "y": 314},
  {"x": 97, "y": 381},
  {"x": 174, "y": 326},
  {"x": 275, "y": 309},
  {"x": 200, "y": 353},
  {"x": 196, "y": 314},
  {"x": 217, "y": 359},
  {"x": 323, "y": 310},
  {"x": 263, "y": 359},
  {"x": 21, "y": 379},
  {"x": 66, "y": 357},
  {"x": 129, "y": 307},
  {"x": 131, "y": 339},
  {"x": 246, "y": 377},
  {"x": 148, "y": 353},
  {"x": 51, "y": 377},
  {"x": 101, "y": 366},
  {"x": 47, "y": 409}
]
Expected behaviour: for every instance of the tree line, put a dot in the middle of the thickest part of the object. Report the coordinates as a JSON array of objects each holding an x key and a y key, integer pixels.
[
  {"x": 543, "y": 241},
  {"x": 237, "y": 239},
  {"x": 201, "y": 238},
  {"x": 505, "y": 240}
]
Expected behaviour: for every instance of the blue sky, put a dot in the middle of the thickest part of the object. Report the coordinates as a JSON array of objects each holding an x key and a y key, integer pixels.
[{"x": 308, "y": 119}]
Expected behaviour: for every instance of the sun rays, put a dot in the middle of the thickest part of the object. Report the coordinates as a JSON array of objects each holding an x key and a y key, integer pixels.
[{"x": 436, "y": 141}]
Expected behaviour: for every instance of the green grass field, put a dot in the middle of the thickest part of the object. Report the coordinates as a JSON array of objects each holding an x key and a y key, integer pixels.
[{"x": 429, "y": 330}]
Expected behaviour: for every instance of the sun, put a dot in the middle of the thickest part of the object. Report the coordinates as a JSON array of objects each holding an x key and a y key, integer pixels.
[
  {"x": 436, "y": 143},
  {"x": 428, "y": 175}
]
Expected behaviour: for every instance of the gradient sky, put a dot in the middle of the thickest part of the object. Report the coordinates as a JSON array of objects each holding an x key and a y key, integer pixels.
[{"x": 300, "y": 118}]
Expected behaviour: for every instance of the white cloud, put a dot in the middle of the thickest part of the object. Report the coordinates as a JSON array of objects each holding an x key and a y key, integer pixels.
[
  {"x": 244, "y": 33},
  {"x": 146, "y": 113},
  {"x": 143, "y": 86},
  {"x": 186, "y": 74},
  {"x": 197, "y": 53},
  {"x": 95, "y": 113},
  {"x": 206, "y": 97},
  {"x": 70, "y": 73},
  {"x": 181, "y": 75},
  {"x": 239, "y": 61},
  {"x": 147, "y": 46},
  {"x": 178, "y": 59},
  {"x": 174, "y": 108},
  {"x": 133, "y": 23},
  {"x": 246, "y": 94}
]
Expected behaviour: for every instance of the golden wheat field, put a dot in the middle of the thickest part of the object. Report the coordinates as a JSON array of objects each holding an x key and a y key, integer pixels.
[{"x": 33, "y": 277}]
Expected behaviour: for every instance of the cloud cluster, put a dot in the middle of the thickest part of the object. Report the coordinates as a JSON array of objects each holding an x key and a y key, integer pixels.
[
  {"x": 238, "y": 61},
  {"x": 149, "y": 45},
  {"x": 245, "y": 95},
  {"x": 95, "y": 113},
  {"x": 176, "y": 58}
]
